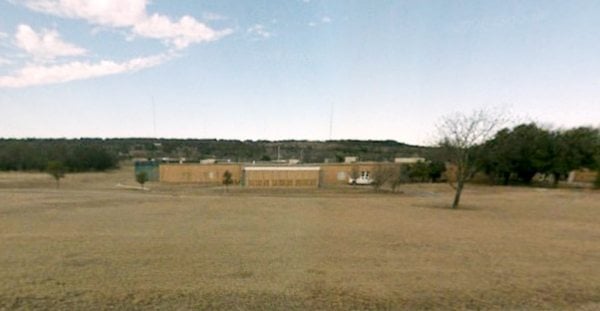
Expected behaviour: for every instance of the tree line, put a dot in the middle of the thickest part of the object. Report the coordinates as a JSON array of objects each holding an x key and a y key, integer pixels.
[
  {"x": 32, "y": 154},
  {"x": 72, "y": 155},
  {"x": 264, "y": 150},
  {"x": 479, "y": 142},
  {"x": 516, "y": 155}
]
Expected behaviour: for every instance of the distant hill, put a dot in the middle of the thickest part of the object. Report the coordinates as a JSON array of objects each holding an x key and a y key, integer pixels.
[
  {"x": 33, "y": 154},
  {"x": 247, "y": 150}
]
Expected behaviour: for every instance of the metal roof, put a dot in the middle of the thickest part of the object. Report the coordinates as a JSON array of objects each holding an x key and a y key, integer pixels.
[{"x": 282, "y": 168}]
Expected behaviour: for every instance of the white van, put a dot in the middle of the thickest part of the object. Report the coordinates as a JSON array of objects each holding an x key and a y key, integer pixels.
[{"x": 363, "y": 179}]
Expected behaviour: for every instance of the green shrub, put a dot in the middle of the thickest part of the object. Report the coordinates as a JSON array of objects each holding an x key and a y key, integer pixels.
[
  {"x": 141, "y": 178},
  {"x": 57, "y": 170}
]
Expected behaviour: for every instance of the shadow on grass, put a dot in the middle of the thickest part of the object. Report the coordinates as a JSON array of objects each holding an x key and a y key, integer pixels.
[{"x": 447, "y": 206}]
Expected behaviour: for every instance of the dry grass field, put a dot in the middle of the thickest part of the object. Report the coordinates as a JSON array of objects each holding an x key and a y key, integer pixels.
[{"x": 91, "y": 245}]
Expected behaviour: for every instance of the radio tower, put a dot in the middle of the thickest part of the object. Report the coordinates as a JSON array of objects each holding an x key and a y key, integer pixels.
[
  {"x": 331, "y": 122},
  {"x": 154, "y": 117}
]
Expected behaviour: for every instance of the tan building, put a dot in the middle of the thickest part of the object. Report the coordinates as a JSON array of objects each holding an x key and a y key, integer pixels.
[
  {"x": 350, "y": 159},
  {"x": 270, "y": 175},
  {"x": 583, "y": 176},
  {"x": 410, "y": 160},
  {"x": 209, "y": 174},
  {"x": 281, "y": 176}
]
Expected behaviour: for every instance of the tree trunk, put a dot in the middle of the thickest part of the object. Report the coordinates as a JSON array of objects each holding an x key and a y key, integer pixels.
[
  {"x": 459, "y": 189},
  {"x": 506, "y": 178},
  {"x": 556, "y": 177}
]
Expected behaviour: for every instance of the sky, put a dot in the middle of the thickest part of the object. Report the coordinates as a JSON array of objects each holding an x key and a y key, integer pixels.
[{"x": 292, "y": 69}]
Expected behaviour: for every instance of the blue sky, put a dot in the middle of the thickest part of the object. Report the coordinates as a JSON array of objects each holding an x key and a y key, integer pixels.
[{"x": 289, "y": 69}]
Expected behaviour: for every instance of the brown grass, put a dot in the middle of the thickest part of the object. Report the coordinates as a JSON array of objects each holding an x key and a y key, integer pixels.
[{"x": 90, "y": 245}]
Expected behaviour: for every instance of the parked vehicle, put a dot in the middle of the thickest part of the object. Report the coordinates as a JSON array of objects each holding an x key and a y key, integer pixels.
[{"x": 363, "y": 179}]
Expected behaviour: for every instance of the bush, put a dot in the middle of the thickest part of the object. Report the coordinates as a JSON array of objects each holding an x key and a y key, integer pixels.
[
  {"x": 57, "y": 170},
  {"x": 227, "y": 180},
  {"x": 400, "y": 177},
  {"x": 141, "y": 178},
  {"x": 381, "y": 175}
]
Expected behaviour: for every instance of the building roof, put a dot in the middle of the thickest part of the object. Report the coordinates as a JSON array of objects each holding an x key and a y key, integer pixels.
[{"x": 281, "y": 168}]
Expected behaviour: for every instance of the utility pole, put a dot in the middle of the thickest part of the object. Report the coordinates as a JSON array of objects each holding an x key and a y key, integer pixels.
[
  {"x": 331, "y": 122},
  {"x": 154, "y": 117}
]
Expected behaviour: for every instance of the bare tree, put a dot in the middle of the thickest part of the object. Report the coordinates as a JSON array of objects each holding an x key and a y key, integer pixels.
[
  {"x": 354, "y": 174},
  {"x": 400, "y": 177},
  {"x": 459, "y": 135},
  {"x": 381, "y": 175}
]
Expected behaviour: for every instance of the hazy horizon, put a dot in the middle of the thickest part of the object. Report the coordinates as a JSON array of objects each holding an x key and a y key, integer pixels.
[{"x": 218, "y": 139}]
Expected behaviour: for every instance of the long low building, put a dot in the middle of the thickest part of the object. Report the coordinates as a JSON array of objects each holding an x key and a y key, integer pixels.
[{"x": 251, "y": 175}]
